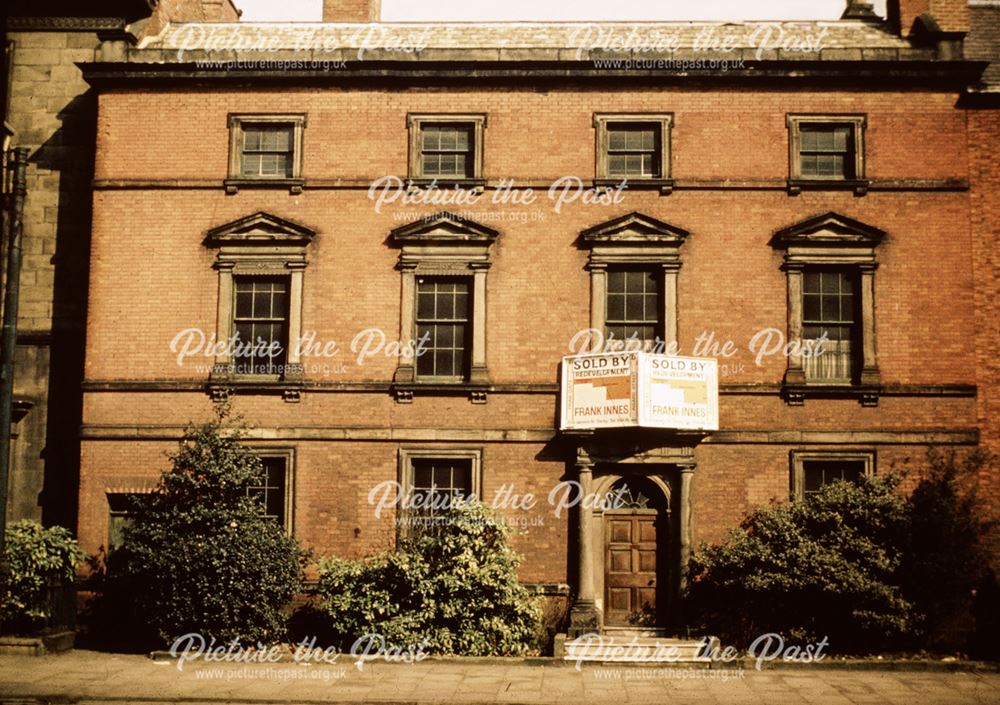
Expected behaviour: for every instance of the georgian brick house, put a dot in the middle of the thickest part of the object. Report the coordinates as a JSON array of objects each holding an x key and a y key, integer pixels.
[{"x": 838, "y": 185}]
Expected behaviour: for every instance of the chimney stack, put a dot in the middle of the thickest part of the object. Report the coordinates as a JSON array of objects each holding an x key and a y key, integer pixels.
[
  {"x": 859, "y": 10},
  {"x": 166, "y": 11},
  {"x": 948, "y": 16},
  {"x": 352, "y": 10}
]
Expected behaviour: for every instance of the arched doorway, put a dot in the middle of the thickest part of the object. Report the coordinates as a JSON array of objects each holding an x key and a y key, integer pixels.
[{"x": 637, "y": 543}]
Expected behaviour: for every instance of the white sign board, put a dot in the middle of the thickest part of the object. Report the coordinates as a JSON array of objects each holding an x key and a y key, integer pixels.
[
  {"x": 678, "y": 392},
  {"x": 629, "y": 389},
  {"x": 600, "y": 391}
]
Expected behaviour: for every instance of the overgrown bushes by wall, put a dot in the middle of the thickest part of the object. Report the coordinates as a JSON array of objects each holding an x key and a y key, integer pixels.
[
  {"x": 41, "y": 562},
  {"x": 452, "y": 588},
  {"x": 198, "y": 555},
  {"x": 858, "y": 564}
]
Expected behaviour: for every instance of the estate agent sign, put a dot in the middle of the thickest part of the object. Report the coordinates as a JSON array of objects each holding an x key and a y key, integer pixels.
[{"x": 627, "y": 389}]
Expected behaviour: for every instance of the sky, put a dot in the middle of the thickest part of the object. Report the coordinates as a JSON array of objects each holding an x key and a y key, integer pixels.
[{"x": 572, "y": 10}]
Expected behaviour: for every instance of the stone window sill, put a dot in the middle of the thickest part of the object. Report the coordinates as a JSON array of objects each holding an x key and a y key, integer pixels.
[
  {"x": 866, "y": 394},
  {"x": 294, "y": 186},
  {"x": 404, "y": 392},
  {"x": 858, "y": 186}
]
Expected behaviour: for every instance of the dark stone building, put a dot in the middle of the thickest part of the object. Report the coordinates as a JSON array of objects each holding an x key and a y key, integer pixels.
[{"x": 50, "y": 109}]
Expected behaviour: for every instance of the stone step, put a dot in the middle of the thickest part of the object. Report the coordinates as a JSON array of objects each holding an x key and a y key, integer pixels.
[
  {"x": 629, "y": 632},
  {"x": 635, "y": 648}
]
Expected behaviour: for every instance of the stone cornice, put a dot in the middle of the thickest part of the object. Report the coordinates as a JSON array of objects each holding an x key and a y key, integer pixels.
[
  {"x": 65, "y": 24},
  {"x": 457, "y": 68},
  {"x": 902, "y": 436},
  {"x": 444, "y": 228},
  {"x": 748, "y": 389},
  {"x": 260, "y": 229},
  {"x": 634, "y": 228},
  {"x": 829, "y": 229},
  {"x": 535, "y": 183}
]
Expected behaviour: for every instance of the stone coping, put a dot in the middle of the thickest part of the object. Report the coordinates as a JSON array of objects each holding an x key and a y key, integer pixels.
[{"x": 522, "y": 42}]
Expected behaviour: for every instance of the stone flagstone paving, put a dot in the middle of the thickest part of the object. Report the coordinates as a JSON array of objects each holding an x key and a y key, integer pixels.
[{"x": 89, "y": 678}]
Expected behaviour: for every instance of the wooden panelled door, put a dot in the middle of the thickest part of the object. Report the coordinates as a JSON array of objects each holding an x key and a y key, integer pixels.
[{"x": 630, "y": 567}]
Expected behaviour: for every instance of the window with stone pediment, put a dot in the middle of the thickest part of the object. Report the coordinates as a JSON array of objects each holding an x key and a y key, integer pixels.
[
  {"x": 444, "y": 261},
  {"x": 634, "y": 263},
  {"x": 261, "y": 261},
  {"x": 830, "y": 263}
]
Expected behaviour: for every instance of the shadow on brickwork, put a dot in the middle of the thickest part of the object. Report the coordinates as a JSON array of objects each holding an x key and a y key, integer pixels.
[{"x": 69, "y": 155}]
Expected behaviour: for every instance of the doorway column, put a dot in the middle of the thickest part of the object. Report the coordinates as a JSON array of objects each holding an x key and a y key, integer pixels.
[
  {"x": 684, "y": 523},
  {"x": 584, "y": 617}
]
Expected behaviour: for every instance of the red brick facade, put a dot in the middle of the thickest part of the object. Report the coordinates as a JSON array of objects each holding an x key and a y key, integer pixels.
[
  {"x": 162, "y": 156},
  {"x": 984, "y": 126}
]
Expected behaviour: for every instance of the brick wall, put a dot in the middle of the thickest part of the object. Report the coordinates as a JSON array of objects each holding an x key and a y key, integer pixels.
[
  {"x": 951, "y": 15},
  {"x": 151, "y": 277},
  {"x": 984, "y": 128},
  {"x": 351, "y": 10},
  {"x": 185, "y": 138}
]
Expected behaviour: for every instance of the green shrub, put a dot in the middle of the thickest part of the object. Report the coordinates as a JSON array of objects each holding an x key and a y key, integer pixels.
[
  {"x": 453, "y": 589},
  {"x": 37, "y": 559},
  {"x": 828, "y": 566},
  {"x": 198, "y": 556}
]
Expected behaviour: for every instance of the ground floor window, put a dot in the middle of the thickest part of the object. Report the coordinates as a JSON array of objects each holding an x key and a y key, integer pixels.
[
  {"x": 432, "y": 480},
  {"x": 121, "y": 507},
  {"x": 274, "y": 493},
  {"x": 812, "y": 470},
  {"x": 439, "y": 482}
]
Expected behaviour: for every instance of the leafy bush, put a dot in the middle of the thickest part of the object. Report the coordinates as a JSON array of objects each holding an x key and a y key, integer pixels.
[
  {"x": 453, "y": 588},
  {"x": 827, "y": 566},
  {"x": 37, "y": 559},
  {"x": 861, "y": 565},
  {"x": 198, "y": 556}
]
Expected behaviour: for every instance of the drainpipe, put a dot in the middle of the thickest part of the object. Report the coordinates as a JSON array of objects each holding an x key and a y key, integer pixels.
[{"x": 14, "y": 224}]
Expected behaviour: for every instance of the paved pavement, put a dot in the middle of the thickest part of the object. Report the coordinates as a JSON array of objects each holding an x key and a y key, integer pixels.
[{"x": 90, "y": 677}]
